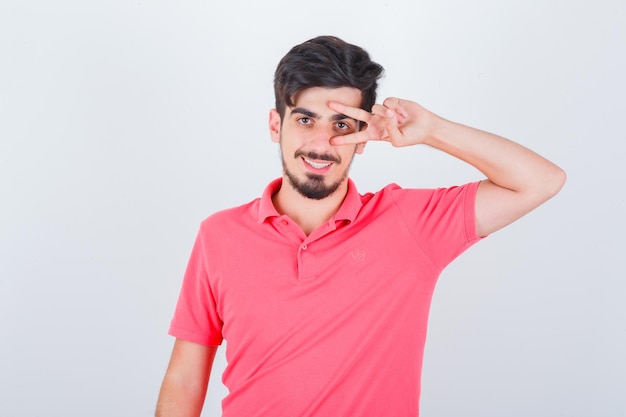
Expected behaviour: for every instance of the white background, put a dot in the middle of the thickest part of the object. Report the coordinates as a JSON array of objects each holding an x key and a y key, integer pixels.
[{"x": 123, "y": 124}]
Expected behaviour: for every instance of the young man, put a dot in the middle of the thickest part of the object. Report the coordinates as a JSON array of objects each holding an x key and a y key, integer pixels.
[{"x": 323, "y": 293}]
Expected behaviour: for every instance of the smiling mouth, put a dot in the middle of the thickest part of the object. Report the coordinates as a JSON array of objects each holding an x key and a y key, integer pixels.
[{"x": 317, "y": 165}]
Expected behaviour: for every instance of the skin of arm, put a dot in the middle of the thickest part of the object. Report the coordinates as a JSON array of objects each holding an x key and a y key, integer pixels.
[
  {"x": 185, "y": 383},
  {"x": 518, "y": 179}
]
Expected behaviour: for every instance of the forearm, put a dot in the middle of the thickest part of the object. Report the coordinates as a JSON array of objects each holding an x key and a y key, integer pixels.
[
  {"x": 505, "y": 163},
  {"x": 180, "y": 398},
  {"x": 185, "y": 383}
]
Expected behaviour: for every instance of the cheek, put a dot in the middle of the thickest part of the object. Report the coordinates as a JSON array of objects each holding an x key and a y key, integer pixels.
[
  {"x": 292, "y": 142},
  {"x": 288, "y": 148}
]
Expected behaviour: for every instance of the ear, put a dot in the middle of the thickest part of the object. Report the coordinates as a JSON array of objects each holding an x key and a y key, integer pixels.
[
  {"x": 360, "y": 147},
  {"x": 274, "y": 125}
]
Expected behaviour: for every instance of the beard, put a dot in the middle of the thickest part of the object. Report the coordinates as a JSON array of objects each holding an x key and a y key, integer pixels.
[{"x": 314, "y": 186}]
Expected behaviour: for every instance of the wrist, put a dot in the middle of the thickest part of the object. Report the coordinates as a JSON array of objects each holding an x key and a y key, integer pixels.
[{"x": 435, "y": 128}]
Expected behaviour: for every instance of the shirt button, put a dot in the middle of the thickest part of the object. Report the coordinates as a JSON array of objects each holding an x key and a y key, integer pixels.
[
  {"x": 284, "y": 222},
  {"x": 304, "y": 247}
]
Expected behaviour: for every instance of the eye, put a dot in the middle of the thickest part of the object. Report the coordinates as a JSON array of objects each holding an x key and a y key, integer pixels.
[
  {"x": 343, "y": 126},
  {"x": 304, "y": 120}
]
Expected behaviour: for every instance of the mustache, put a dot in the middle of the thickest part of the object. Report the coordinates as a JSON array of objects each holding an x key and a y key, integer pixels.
[{"x": 317, "y": 156}]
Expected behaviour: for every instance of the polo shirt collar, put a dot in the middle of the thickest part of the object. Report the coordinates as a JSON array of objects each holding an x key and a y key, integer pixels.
[
  {"x": 347, "y": 211},
  {"x": 266, "y": 207},
  {"x": 351, "y": 204}
]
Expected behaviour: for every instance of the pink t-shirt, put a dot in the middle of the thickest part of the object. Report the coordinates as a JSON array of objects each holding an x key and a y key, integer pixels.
[{"x": 332, "y": 324}]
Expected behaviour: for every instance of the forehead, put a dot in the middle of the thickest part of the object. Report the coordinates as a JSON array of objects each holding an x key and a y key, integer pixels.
[{"x": 318, "y": 97}]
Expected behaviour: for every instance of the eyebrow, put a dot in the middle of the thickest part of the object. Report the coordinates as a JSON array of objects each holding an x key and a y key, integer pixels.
[
  {"x": 312, "y": 115},
  {"x": 305, "y": 112}
]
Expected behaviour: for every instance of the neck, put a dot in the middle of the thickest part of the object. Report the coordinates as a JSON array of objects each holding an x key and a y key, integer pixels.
[{"x": 309, "y": 214}]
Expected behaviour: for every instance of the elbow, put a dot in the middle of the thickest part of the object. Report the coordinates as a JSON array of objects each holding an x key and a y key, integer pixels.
[{"x": 554, "y": 181}]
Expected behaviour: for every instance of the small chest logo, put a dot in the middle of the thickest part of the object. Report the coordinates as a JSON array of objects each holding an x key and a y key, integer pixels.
[{"x": 358, "y": 255}]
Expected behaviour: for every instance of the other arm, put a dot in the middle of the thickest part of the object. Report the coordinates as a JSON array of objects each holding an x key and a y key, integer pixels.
[
  {"x": 518, "y": 179},
  {"x": 186, "y": 379}
]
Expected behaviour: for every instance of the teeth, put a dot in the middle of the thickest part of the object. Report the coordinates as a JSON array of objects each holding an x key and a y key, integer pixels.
[{"x": 316, "y": 165}]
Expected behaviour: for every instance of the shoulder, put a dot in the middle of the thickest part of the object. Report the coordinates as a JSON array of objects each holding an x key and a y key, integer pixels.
[
  {"x": 394, "y": 193},
  {"x": 229, "y": 217},
  {"x": 427, "y": 195},
  {"x": 420, "y": 201}
]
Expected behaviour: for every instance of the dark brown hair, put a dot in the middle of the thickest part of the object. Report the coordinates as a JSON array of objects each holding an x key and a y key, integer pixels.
[{"x": 325, "y": 61}]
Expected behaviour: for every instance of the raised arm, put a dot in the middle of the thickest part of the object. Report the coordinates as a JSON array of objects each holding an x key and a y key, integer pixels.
[
  {"x": 518, "y": 179},
  {"x": 186, "y": 379}
]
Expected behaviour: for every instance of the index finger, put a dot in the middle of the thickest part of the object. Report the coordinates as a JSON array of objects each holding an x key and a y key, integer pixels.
[{"x": 352, "y": 112}]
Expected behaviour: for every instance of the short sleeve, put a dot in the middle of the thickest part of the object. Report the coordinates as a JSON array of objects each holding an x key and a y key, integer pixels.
[
  {"x": 196, "y": 318},
  {"x": 442, "y": 220}
]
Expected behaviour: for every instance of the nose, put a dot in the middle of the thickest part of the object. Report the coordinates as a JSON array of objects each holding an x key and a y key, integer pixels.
[{"x": 320, "y": 139}]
